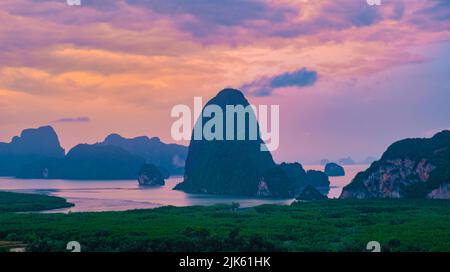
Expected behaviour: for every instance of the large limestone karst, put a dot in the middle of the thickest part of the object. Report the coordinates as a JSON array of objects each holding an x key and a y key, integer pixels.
[{"x": 237, "y": 167}]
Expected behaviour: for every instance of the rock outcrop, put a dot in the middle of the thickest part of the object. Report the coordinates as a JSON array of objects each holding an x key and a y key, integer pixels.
[
  {"x": 411, "y": 168},
  {"x": 334, "y": 170},
  {"x": 150, "y": 175},
  {"x": 324, "y": 161},
  {"x": 346, "y": 161}
]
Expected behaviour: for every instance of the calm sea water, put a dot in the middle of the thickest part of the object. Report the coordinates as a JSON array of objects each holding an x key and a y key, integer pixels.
[
  {"x": 337, "y": 183},
  {"x": 119, "y": 195}
]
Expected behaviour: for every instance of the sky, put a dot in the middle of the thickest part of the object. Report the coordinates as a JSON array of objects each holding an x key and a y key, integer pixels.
[{"x": 350, "y": 78}]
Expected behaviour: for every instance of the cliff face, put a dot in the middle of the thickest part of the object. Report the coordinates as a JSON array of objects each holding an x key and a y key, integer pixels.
[
  {"x": 37, "y": 154},
  {"x": 409, "y": 168}
]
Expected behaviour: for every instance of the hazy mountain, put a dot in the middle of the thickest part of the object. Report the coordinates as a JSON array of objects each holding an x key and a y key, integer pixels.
[
  {"x": 346, "y": 161},
  {"x": 324, "y": 161},
  {"x": 31, "y": 145},
  {"x": 37, "y": 154},
  {"x": 171, "y": 157},
  {"x": 85, "y": 162}
]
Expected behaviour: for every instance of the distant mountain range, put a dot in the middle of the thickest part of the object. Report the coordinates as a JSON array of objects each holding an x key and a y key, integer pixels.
[
  {"x": 170, "y": 157},
  {"x": 37, "y": 154},
  {"x": 348, "y": 161}
]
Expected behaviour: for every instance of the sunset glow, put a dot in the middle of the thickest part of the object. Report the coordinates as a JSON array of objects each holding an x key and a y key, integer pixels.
[{"x": 349, "y": 78}]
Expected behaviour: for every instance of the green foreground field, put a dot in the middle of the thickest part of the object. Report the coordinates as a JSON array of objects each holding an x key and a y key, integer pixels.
[{"x": 331, "y": 225}]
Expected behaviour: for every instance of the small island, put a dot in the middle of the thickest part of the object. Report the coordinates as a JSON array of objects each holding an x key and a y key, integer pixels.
[
  {"x": 150, "y": 175},
  {"x": 334, "y": 170}
]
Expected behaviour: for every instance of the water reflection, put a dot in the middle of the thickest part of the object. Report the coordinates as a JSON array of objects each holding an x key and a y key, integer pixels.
[{"x": 127, "y": 194}]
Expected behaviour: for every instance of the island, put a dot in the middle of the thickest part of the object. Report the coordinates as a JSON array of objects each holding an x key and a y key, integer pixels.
[
  {"x": 334, "y": 170},
  {"x": 240, "y": 167}
]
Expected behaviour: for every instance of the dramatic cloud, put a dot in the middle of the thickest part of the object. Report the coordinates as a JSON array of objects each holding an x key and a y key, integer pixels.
[
  {"x": 73, "y": 120},
  {"x": 216, "y": 13},
  {"x": 265, "y": 86},
  {"x": 300, "y": 78},
  {"x": 205, "y": 17}
]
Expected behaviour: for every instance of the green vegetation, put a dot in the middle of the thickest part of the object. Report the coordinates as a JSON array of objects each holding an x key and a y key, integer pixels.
[
  {"x": 329, "y": 225},
  {"x": 15, "y": 202}
]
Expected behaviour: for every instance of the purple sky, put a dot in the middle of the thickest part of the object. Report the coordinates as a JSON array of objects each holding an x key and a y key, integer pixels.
[{"x": 350, "y": 78}]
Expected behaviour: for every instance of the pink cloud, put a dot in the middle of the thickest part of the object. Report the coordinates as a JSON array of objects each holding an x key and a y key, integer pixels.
[{"x": 116, "y": 61}]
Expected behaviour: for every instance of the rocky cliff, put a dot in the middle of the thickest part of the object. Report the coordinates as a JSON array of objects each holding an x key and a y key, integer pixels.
[{"x": 411, "y": 168}]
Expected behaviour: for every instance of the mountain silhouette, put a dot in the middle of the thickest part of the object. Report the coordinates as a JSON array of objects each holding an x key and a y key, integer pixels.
[
  {"x": 237, "y": 167},
  {"x": 37, "y": 153},
  {"x": 32, "y": 144},
  {"x": 170, "y": 157}
]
